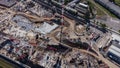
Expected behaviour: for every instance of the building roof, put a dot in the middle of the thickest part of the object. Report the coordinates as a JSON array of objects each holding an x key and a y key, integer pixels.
[
  {"x": 114, "y": 43},
  {"x": 46, "y": 28},
  {"x": 115, "y": 50},
  {"x": 23, "y": 22},
  {"x": 7, "y": 3},
  {"x": 111, "y": 6},
  {"x": 116, "y": 37}
]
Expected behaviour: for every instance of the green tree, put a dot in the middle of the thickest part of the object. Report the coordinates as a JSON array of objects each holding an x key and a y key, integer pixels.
[
  {"x": 1, "y": 67},
  {"x": 103, "y": 25},
  {"x": 119, "y": 31},
  {"x": 67, "y": 1}
]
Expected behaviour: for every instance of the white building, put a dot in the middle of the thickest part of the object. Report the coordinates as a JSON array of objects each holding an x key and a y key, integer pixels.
[
  {"x": 114, "y": 50},
  {"x": 116, "y": 37}
]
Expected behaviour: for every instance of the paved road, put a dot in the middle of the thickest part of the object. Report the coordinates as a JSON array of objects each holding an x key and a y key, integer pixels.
[{"x": 111, "y": 23}]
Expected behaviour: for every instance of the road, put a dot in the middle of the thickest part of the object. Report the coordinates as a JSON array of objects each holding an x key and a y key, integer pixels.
[
  {"x": 110, "y": 64},
  {"x": 32, "y": 17},
  {"x": 80, "y": 20},
  {"x": 111, "y": 23},
  {"x": 100, "y": 57},
  {"x": 71, "y": 28}
]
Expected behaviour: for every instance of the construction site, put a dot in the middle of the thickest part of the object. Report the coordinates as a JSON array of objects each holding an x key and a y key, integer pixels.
[{"x": 37, "y": 37}]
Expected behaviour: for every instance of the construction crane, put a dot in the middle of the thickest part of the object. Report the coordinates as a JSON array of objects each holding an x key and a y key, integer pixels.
[{"x": 62, "y": 21}]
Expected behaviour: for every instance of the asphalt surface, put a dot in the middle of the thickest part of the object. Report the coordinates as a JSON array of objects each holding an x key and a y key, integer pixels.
[
  {"x": 110, "y": 6},
  {"x": 111, "y": 23}
]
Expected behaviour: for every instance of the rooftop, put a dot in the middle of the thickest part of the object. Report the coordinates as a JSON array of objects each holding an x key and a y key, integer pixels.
[
  {"x": 112, "y": 6},
  {"x": 7, "y": 3},
  {"x": 46, "y": 28},
  {"x": 116, "y": 37}
]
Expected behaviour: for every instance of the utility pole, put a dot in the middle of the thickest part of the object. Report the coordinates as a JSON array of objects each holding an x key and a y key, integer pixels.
[{"x": 62, "y": 20}]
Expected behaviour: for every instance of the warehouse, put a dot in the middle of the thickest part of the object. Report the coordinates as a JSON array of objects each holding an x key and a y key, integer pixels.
[
  {"x": 114, "y": 50},
  {"x": 110, "y": 6}
]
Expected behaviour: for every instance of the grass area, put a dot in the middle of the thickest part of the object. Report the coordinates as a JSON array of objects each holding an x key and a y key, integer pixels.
[
  {"x": 5, "y": 64},
  {"x": 67, "y": 1},
  {"x": 101, "y": 10},
  {"x": 107, "y": 11},
  {"x": 119, "y": 31},
  {"x": 117, "y": 2},
  {"x": 93, "y": 6}
]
